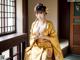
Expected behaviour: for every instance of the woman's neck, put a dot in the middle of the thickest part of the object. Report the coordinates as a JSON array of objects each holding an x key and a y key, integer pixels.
[{"x": 41, "y": 20}]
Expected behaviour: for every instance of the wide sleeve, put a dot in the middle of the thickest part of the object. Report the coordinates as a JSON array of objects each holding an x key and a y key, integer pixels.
[
  {"x": 54, "y": 38},
  {"x": 52, "y": 32},
  {"x": 55, "y": 43},
  {"x": 32, "y": 35}
]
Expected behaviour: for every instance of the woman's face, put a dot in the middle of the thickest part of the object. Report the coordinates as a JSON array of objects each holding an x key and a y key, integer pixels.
[{"x": 40, "y": 16}]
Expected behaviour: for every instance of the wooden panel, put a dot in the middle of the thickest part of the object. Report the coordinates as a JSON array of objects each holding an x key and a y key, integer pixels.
[
  {"x": 25, "y": 16},
  {"x": 74, "y": 30},
  {"x": 75, "y": 50},
  {"x": 76, "y": 35},
  {"x": 76, "y": 8}
]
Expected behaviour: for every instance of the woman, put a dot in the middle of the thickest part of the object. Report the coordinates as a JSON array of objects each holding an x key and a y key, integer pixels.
[{"x": 44, "y": 44}]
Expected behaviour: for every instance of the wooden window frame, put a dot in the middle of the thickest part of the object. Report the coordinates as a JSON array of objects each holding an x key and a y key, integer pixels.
[{"x": 11, "y": 32}]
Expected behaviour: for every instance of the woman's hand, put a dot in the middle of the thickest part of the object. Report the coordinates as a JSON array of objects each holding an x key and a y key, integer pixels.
[
  {"x": 36, "y": 36},
  {"x": 44, "y": 37},
  {"x": 40, "y": 36}
]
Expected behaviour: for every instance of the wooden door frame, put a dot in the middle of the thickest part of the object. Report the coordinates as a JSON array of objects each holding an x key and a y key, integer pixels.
[
  {"x": 71, "y": 27},
  {"x": 25, "y": 24}
]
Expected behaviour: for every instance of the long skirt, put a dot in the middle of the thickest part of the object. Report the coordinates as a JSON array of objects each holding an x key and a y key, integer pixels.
[{"x": 37, "y": 53}]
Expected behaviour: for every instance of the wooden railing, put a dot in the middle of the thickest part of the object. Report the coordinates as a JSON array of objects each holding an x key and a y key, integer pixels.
[{"x": 9, "y": 41}]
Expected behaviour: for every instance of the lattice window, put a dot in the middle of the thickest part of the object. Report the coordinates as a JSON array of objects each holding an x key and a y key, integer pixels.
[{"x": 7, "y": 16}]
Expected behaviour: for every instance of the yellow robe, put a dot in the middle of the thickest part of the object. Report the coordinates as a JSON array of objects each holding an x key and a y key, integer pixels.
[{"x": 34, "y": 52}]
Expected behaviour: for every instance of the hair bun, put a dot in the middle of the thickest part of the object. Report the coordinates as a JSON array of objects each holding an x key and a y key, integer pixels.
[
  {"x": 40, "y": 8},
  {"x": 40, "y": 4}
]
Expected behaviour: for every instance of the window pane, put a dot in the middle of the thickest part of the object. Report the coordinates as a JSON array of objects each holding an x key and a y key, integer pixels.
[
  {"x": 6, "y": 14},
  {"x": 77, "y": 8},
  {"x": 0, "y": 22},
  {"x": 76, "y": 21},
  {"x": 0, "y": 25},
  {"x": 10, "y": 21},
  {"x": 9, "y": 2},
  {"x": 12, "y": 0},
  {"x": 2, "y": 14},
  {"x": 3, "y": 8},
  {"x": 12, "y": 9},
  {"x": 6, "y": 54},
  {"x": 6, "y": 23},
  {"x": 13, "y": 28},
  {"x": 13, "y": 21},
  {"x": 6, "y": 29},
  {"x": 0, "y": 7},
  {"x": 12, "y": 3},
  {"x": 12, "y": 15},
  {"x": 15, "y": 58},
  {"x": 6, "y": 2},
  {"x": 9, "y": 9},
  {"x": 9, "y": 15},
  {"x": 2, "y": 29},
  {"x": 9, "y": 29},
  {"x": 0, "y": 1},
  {"x": 14, "y": 50},
  {"x": 6, "y": 8}
]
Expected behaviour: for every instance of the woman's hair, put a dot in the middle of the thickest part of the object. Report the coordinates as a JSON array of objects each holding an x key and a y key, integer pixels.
[{"x": 40, "y": 8}]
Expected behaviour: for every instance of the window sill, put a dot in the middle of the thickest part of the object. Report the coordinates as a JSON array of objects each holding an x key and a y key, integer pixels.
[{"x": 11, "y": 40}]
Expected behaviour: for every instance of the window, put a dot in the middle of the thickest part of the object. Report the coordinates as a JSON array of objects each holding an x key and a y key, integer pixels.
[
  {"x": 12, "y": 53},
  {"x": 7, "y": 16}
]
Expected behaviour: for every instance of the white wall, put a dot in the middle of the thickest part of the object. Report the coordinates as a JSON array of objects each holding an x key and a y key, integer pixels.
[
  {"x": 52, "y": 11},
  {"x": 19, "y": 16}
]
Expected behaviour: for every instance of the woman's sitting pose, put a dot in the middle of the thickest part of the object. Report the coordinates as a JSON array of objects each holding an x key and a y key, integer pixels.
[{"x": 44, "y": 44}]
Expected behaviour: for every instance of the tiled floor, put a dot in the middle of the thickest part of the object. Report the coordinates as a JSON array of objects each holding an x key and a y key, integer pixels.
[{"x": 72, "y": 57}]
